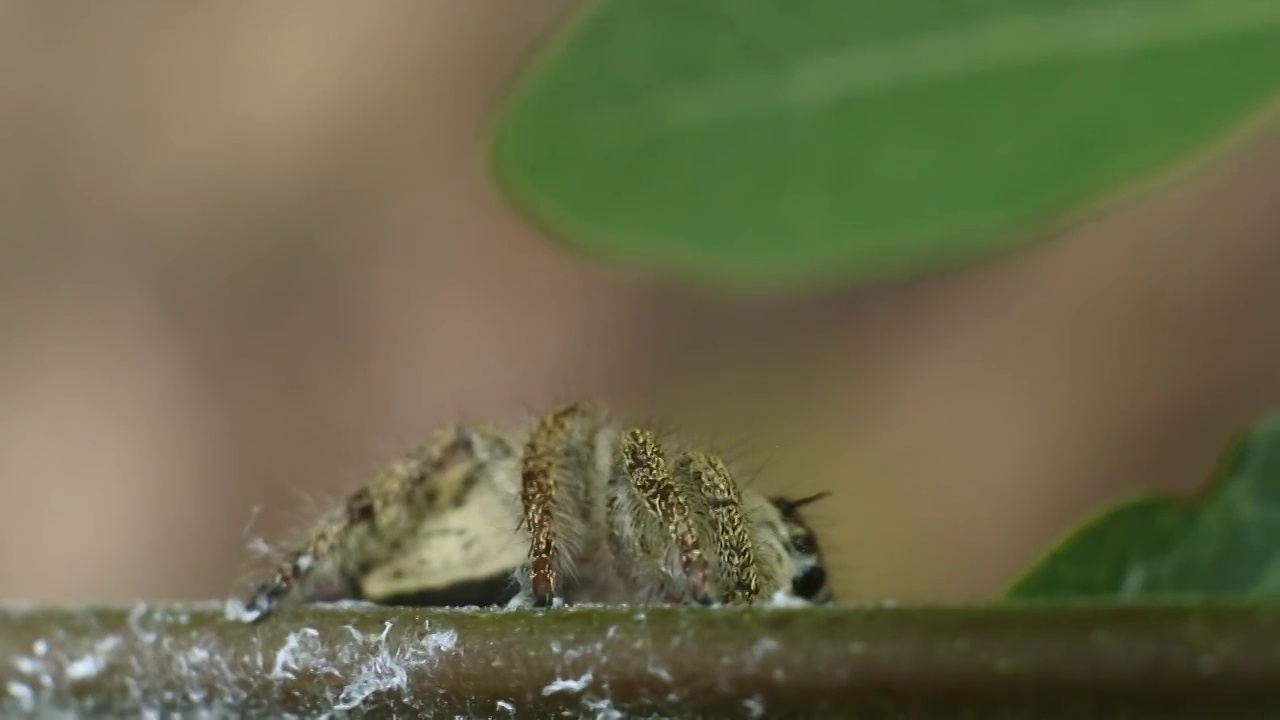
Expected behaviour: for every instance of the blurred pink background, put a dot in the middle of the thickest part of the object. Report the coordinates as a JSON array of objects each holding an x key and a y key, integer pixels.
[{"x": 249, "y": 252}]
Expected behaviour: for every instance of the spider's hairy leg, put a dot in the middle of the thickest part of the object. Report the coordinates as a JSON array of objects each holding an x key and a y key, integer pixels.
[
  {"x": 371, "y": 523},
  {"x": 551, "y": 481},
  {"x": 645, "y": 476},
  {"x": 709, "y": 482},
  {"x": 292, "y": 572}
]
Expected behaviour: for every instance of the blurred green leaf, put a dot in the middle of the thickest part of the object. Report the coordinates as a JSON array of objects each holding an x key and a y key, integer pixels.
[
  {"x": 769, "y": 142},
  {"x": 1226, "y": 542}
]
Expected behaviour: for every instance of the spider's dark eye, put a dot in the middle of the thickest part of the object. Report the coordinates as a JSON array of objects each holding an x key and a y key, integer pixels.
[
  {"x": 809, "y": 583},
  {"x": 804, "y": 544}
]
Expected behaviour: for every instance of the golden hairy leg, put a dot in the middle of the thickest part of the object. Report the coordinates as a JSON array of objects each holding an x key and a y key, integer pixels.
[
  {"x": 542, "y": 454},
  {"x": 645, "y": 470},
  {"x": 709, "y": 481}
]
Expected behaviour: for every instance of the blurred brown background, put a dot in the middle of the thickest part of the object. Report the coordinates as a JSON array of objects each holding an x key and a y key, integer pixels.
[{"x": 249, "y": 252}]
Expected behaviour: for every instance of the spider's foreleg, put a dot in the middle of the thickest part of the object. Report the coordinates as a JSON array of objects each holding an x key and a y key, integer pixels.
[
  {"x": 709, "y": 482},
  {"x": 643, "y": 467}
]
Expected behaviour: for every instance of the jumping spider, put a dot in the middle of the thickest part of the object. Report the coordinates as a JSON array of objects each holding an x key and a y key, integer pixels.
[{"x": 573, "y": 508}]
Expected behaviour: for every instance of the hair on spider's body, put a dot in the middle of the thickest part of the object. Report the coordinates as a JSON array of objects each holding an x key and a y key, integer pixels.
[{"x": 573, "y": 507}]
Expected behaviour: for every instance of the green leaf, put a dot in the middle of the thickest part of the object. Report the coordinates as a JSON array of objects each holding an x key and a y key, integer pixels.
[
  {"x": 771, "y": 142},
  {"x": 1226, "y": 542}
]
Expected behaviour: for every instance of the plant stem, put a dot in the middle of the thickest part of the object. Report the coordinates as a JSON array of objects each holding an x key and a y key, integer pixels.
[{"x": 1031, "y": 660}]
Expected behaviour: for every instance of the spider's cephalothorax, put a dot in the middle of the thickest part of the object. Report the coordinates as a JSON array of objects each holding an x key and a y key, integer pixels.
[{"x": 574, "y": 508}]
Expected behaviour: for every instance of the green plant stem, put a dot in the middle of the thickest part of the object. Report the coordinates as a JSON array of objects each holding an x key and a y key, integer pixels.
[{"x": 1000, "y": 661}]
